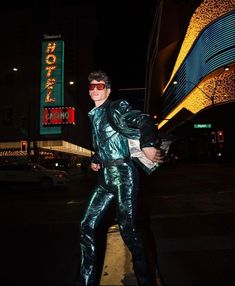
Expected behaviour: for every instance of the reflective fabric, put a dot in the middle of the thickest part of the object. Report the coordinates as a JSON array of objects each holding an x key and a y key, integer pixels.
[
  {"x": 109, "y": 144},
  {"x": 118, "y": 183}
]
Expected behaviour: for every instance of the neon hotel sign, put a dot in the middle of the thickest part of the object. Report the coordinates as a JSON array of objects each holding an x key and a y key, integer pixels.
[
  {"x": 50, "y": 60},
  {"x": 52, "y": 89}
]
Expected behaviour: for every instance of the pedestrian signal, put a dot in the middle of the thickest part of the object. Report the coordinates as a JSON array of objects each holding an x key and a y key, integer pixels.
[{"x": 220, "y": 135}]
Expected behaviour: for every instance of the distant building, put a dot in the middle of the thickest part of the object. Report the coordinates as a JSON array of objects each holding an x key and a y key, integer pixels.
[{"x": 22, "y": 33}]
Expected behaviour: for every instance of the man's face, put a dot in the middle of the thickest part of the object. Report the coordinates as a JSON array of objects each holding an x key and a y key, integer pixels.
[{"x": 98, "y": 92}]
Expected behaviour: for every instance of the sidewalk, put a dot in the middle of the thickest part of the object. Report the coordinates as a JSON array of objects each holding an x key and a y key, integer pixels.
[{"x": 117, "y": 269}]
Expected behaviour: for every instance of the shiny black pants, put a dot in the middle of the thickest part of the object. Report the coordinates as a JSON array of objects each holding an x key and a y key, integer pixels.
[{"x": 118, "y": 183}]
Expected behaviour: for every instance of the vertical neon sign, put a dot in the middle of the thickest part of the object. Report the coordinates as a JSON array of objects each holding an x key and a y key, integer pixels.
[{"x": 52, "y": 80}]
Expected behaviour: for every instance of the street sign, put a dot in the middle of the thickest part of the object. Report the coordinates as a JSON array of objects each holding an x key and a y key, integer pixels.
[{"x": 204, "y": 125}]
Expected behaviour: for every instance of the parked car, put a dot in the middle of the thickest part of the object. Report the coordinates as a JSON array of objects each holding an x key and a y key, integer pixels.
[
  {"x": 58, "y": 164},
  {"x": 32, "y": 173}
]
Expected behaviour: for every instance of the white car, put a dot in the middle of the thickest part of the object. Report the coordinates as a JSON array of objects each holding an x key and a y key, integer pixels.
[{"x": 32, "y": 173}]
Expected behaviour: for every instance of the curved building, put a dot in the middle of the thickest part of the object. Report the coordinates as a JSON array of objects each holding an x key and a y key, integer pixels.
[{"x": 191, "y": 76}]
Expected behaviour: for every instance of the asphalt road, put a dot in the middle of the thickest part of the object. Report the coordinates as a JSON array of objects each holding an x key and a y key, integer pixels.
[{"x": 186, "y": 212}]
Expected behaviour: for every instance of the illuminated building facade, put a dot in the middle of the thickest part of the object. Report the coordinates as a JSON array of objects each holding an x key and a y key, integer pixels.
[{"x": 191, "y": 75}]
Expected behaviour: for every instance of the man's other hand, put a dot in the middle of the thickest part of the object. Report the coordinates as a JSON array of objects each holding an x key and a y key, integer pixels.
[
  {"x": 153, "y": 154},
  {"x": 95, "y": 167}
]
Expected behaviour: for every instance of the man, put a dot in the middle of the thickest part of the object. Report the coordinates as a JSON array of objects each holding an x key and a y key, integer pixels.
[{"x": 118, "y": 176}]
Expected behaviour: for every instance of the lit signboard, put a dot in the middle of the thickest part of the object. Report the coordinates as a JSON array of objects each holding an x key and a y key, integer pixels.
[
  {"x": 58, "y": 116},
  {"x": 202, "y": 125},
  {"x": 52, "y": 81}
]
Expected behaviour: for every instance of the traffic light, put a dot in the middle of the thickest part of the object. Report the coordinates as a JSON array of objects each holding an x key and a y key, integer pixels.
[
  {"x": 23, "y": 146},
  {"x": 220, "y": 136},
  {"x": 213, "y": 137}
]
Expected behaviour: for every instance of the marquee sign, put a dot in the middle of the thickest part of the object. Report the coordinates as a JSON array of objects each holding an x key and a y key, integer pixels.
[{"x": 58, "y": 116}]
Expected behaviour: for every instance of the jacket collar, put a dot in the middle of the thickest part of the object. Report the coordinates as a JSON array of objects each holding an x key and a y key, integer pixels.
[{"x": 102, "y": 106}]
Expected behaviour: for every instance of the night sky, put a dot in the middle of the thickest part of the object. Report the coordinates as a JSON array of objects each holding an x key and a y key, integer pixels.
[
  {"x": 125, "y": 27},
  {"x": 121, "y": 49}
]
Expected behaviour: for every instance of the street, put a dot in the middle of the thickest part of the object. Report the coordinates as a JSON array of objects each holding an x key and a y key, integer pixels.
[{"x": 186, "y": 212}]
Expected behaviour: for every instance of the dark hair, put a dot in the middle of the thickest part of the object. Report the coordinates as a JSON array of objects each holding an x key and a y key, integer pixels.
[{"x": 100, "y": 75}]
